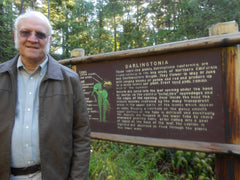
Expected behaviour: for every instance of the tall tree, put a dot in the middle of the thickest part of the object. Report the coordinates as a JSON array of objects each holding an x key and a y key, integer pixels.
[
  {"x": 127, "y": 38},
  {"x": 81, "y": 26},
  {"x": 27, "y": 3},
  {"x": 101, "y": 36},
  {"x": 111, "y": 25},
  {"x": 7, "y": 15},
  {"x": 114, "y": 12}
]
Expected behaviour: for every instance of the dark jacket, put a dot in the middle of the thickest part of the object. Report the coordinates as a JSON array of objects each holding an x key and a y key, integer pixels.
[{"x": 64, "y": 133}]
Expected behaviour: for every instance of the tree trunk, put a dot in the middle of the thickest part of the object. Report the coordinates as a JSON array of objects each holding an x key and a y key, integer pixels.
[{"x": 21, "y": 7}]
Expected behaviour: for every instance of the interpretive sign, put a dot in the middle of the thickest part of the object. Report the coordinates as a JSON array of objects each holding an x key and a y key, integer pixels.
[
  {"x": 182, "y": 95},
  {"x": 175, "y": 96}
]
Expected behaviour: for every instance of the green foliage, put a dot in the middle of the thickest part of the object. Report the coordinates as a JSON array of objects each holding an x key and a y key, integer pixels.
[
  {"x": 122, "y": 161},
  {"x": 118, "y": 161},
  {"x": 7, "y": 49},
  {"x": 108, "y": 25}
]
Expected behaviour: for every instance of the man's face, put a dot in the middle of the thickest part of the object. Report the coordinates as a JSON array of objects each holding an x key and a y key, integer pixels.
[{"x": 32, "y": 39}]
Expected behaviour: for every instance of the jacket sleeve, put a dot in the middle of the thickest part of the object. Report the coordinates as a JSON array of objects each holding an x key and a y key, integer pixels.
[{"x": 81, "y": 136}]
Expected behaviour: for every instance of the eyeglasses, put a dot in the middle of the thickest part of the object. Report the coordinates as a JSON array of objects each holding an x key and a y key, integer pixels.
[{"x": 38, "y": 35}]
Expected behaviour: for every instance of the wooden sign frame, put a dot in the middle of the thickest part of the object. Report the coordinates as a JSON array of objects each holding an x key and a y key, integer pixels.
[{"x": 228, "y": 151}]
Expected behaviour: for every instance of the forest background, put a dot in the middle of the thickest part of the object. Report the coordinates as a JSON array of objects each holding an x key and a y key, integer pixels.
[{"x": 101, "y": 26}]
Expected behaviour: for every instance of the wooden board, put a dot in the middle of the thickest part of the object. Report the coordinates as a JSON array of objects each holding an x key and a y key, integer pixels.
[
  {"x": 172, "y": 96},
  {"x": 178, "y": 95}
]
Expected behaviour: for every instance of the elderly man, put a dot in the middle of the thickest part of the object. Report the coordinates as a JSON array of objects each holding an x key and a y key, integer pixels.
[{"x": 44, "y": 127}]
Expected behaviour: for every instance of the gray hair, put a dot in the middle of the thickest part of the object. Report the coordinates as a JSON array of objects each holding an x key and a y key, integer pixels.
[{"x": 30, "y": 13}]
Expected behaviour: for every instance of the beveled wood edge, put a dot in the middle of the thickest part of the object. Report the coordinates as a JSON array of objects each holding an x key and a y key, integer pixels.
[
  {"x": 199, "y": 43},
  {"x": 221, "y": 148}
]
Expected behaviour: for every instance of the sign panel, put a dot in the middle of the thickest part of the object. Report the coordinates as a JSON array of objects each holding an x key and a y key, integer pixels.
[{"x": 173, "y": 96}]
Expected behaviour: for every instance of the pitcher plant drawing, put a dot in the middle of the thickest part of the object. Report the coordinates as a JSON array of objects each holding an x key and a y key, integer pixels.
[{"x": 103, "y": 102}]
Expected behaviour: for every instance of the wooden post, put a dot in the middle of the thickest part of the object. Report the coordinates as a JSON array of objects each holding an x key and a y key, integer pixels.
[
  {"x": 77, "y": 53},
  {"x": 223, "y": 28},
  {"x": 227, "y": 166}
]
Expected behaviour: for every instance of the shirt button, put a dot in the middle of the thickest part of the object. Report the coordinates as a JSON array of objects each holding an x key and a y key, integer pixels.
[
  {"x": 28, "y": 109},
  {"x": 27, "y": 127},
  {"x": 30, "y": 93}
]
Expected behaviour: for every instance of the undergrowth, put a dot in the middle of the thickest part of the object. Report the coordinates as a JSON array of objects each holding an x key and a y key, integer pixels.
[{"x": 119, "y": 161}]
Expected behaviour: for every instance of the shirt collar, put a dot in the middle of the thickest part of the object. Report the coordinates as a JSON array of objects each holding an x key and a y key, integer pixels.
[
  {"x": 42, "y": 66},
  {"x": 53, "y": 69}
]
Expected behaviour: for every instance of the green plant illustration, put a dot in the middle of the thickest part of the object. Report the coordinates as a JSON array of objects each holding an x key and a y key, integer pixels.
[{"x": 103, "y": 102}]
